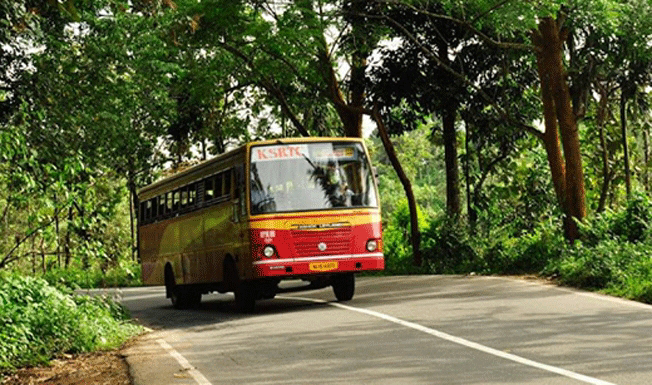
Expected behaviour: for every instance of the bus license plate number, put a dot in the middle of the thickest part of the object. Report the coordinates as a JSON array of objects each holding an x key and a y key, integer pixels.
[{"x": 323, "y": 266}]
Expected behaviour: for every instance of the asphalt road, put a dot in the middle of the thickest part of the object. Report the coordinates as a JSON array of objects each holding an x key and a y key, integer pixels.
[{"x": 397, "y": 330}]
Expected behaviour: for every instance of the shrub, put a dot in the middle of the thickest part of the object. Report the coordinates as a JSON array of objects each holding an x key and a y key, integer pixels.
[
  {"x": 528, "y": 253},
  {"x": 125, "y": 273},
  {"x": 448, "y": 248},
  {"x": 39, "y": 321},
  {"x": 396, "y": 240}
]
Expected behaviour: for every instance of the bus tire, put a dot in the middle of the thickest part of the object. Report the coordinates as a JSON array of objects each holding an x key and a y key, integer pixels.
[
  {"x": 245, "y": 297},
  {"x": 344, "y": 286},
  {"x": 180, "y": 296},
  {"x": 245, "y": 293}
]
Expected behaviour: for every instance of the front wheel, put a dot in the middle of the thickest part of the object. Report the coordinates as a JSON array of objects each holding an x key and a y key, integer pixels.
[{"x": 344, "y": 286}]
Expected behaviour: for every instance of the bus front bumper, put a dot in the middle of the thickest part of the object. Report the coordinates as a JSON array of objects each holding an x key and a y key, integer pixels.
[{"x": 319, "y": 265}]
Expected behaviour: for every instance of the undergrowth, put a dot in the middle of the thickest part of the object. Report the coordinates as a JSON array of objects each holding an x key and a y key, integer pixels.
[
  {"x": 612, "y": 255},
  {"x": 39, "y": 321}
]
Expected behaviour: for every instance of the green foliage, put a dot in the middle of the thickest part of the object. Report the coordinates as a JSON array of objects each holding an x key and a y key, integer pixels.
[
  {"x": 125, "y": 273},
  {"x": 38, "y": 321},
  {"x": 448, "y": 247},
  {"x": 396, "y": 239},
  {"x": 526, "y": 253},
  {"x": 614, "y": 254}
]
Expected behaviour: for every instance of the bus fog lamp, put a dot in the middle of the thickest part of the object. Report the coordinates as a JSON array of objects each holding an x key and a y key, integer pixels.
[
  {"x": 269, "y": 251},
  {"x": 372, "y": 245}
]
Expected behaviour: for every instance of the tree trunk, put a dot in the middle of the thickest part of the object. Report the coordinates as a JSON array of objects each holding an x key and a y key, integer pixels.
[
  {"x": 452, "y": 167},
  {"x": 415, "y": 235},
  {"x": 58, "y": 237},
  {"x": 131, "y": 223},
  {"x": 136, "y": 203},
  {"x": 606, "y": 172},
  {"x": 66, "y": 245},
  {"x": 549, "y": 39},
  {"x": 646, "y": 155},
  {"x": 473, "y": 216},
  {"x": 623, "y": 130}
]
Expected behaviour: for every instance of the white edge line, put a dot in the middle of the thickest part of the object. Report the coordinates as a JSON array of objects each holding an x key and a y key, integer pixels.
[
  {"x": 194, "y": 373},
  {"x": 327, "y": 257},
  {"x": 461, "y": 341}
]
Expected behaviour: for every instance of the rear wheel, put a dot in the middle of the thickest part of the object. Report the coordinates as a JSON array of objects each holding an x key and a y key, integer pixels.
[
  {"x": 344, "y": 286},
  {"x": 182, "y": 297}
]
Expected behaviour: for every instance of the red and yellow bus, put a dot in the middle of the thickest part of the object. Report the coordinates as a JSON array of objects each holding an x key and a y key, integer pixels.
[{"x": 302, "y": 209}]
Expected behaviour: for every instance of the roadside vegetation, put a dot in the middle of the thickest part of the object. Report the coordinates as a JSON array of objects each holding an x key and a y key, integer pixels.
[
  {"x": 521, "y": 131},
  {"x": 517, "y": 235},
  {"x": 39, "y": 322}
]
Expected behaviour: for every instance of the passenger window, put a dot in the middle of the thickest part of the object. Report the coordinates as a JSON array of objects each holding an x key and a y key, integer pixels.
[
  {"x": 154, "y": 208},
  {"x": 168, "y": 202},
  {"x": 148, "y": 210},
  {"x": 192, "y": 193},
  {"x": 184, "y": 197},
  {"x": 208, "y": 189},
  {"x": 227, "y": 183},
  {"x": 161, "y": 205},
  {"x": 142, "y": 211},
  {"x": 218, "y": 185},
  {"x": 175, "y": 203}
]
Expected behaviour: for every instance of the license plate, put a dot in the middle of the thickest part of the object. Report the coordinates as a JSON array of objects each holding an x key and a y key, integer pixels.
[{"x": 323, "y": 266}]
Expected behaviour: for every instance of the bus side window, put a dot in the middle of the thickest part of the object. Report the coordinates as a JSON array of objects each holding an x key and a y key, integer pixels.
[
  {"x": 148, "y": 210},
  {"x": 161, "y": 205},
  {"x": 142, "y": 212},
  {"x": 208, "y": 189},
  {"x": 175, "y": 203},
  {"x": 218, "y": 185},
  {"x": 227, "y": 183},
  {"x": 154, "y": 208},
  {"x": 168, "y": 202},
  {"x": 192, "y": 194},
  {"x": 184, "y": 196}
]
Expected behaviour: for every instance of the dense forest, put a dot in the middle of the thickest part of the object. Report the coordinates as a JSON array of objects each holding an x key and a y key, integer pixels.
[{"x": 510, "y": 137}]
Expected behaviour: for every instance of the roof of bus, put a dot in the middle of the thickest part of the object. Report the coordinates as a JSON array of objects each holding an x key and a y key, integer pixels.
[{"x": 226, "y": 155}]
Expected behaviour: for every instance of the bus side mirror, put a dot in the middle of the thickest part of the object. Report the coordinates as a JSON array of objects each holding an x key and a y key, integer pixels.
[{"x": 374, "y": 169}]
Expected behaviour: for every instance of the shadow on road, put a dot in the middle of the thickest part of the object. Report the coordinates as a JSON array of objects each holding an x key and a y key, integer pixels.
[{"x": 214, "y": 309}]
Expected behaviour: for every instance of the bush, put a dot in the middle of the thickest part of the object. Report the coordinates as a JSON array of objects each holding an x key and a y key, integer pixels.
[
  {"x": 613, "y": 254},
  {"x": 396, "y": 240},
  {"x": 125, "y": 273},
  {"x": 39, "y": 321},
  {"x": 448, "y": 248},
  {"x": 528, "y": 253}
]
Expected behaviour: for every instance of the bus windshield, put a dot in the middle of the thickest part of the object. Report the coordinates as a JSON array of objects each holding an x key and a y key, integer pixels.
[{"x": 310, "y": 176}]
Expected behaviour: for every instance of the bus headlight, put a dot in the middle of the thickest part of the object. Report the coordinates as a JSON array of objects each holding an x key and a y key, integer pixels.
[
  {"x": 372, "y": 245},
  {"x": 269, "y": 251}
]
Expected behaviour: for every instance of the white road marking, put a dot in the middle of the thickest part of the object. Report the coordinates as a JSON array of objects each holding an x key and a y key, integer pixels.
[
  {"x": 194, "y": 373},
  {"x": 461, "y": 341}
]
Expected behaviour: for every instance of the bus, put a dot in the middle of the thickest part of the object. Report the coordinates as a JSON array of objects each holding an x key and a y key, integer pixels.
[{"x": 302, "y": 209}]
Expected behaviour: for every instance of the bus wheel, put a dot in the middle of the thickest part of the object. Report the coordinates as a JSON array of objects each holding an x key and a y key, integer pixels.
[
  {"x": 245, "y": 293},
  {"x": 344, "y": 286},
  {"x": 184, "y": 298},
  {"x": 245, "y": 297},
  {"x": 181, "y": 297}
]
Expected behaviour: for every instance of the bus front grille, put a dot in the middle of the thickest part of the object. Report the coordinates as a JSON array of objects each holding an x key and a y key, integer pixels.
[{"x": 338, "y": 241}]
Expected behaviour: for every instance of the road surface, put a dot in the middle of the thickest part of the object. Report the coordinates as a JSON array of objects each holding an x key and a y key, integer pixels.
[{"x": 397, "y": 330}]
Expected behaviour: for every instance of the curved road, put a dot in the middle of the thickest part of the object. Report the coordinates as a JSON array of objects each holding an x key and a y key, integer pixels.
[{"x": 397, "y": 330}]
